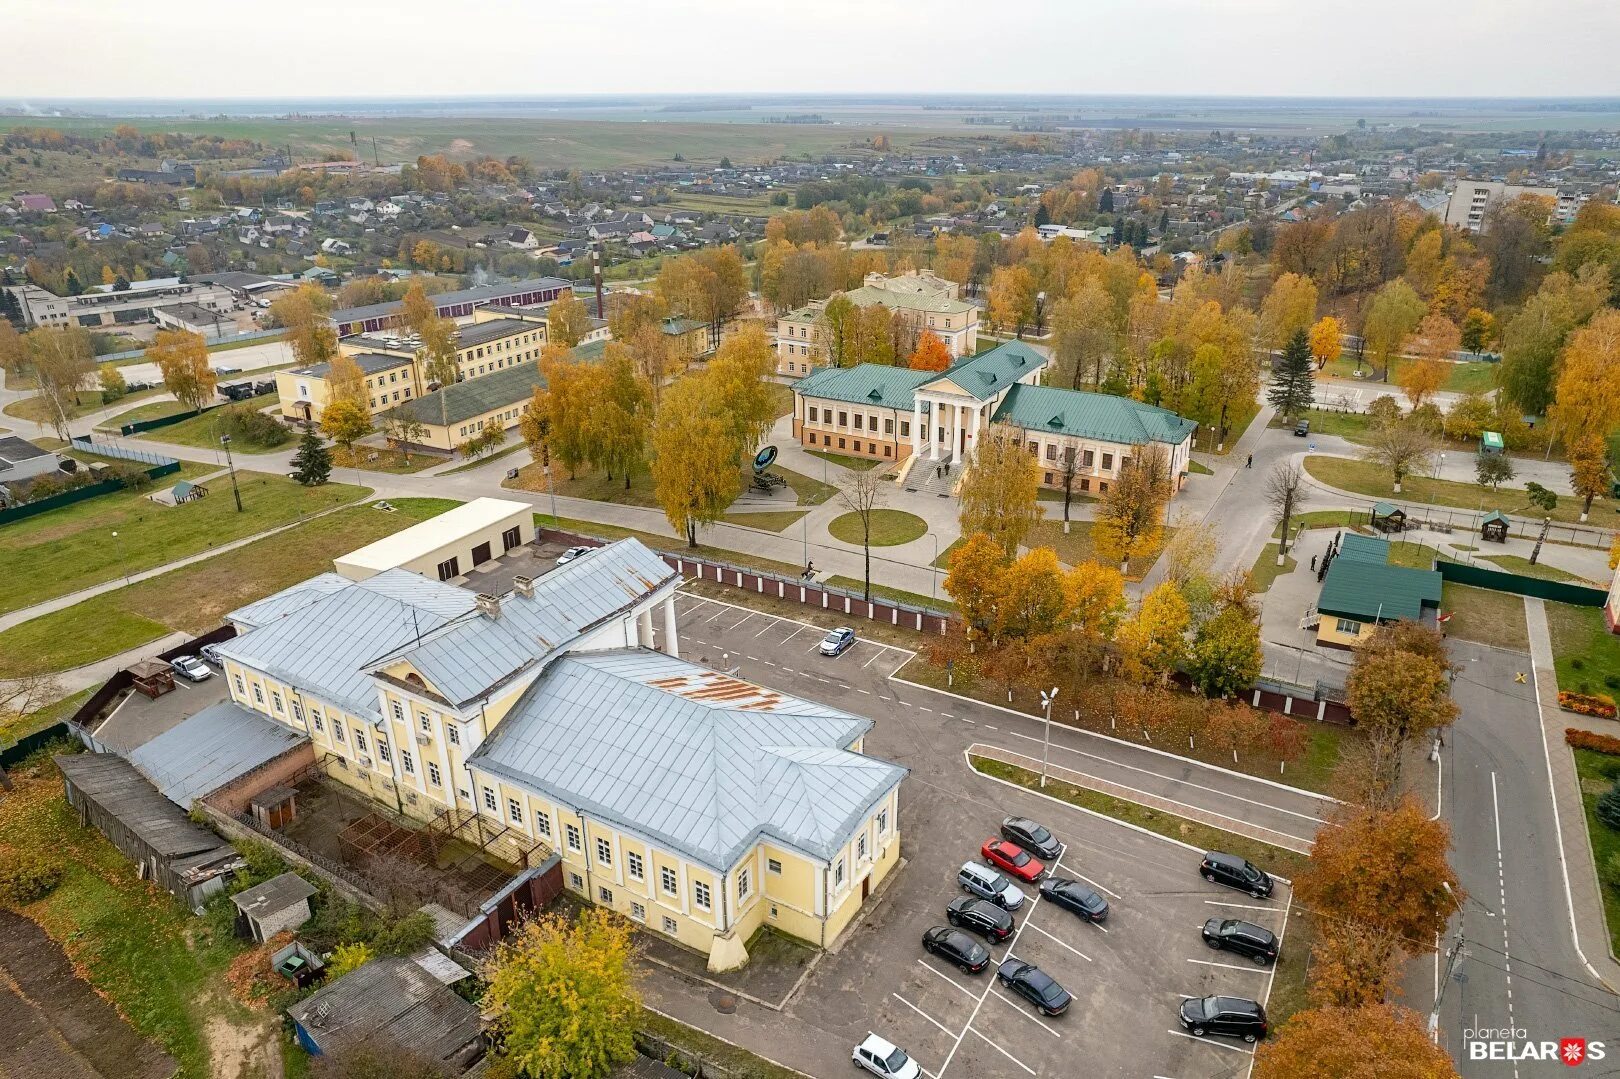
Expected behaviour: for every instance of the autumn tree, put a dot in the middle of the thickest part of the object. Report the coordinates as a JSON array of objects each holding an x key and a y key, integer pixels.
[
  {"x": 345, "y": 379},
  {"x": 1478, "y": 330},
  {"x": 1493, "y": 469},
  {"x": 620, "y": 414},
  {"x": 63, "y": 362},
  {"x": 971, "y": 581},
  {"x": 696, "y": 467},
  {"x": 1589, "y": 473},
  {"x": 1130, "y": 517},
  {"x": 1153, "y": 641},
  {"x": 1327, "y": 340},
  {"x": 1352, "y": 965},
  {"x": 1393, "y": 314},
  {"x": 572, "y": 390},
  {"x": 1289, "y": 308},
  {"x": 1385, "y": 869},
  {"x": 709, "y": 286},
  {"x": 931, "y": 353},
  {"x": 862, "y": 495},
  {"x": 1587, "y": 400},
  {"x": 182, "y": 357},
  {"x": 1012, "y": 298},
  {"x": 303, "y": 312},
  {"x": 416, "y": 310},
  {"x": 1533, "y": 338},
  {"x": 1390, "y": 1043},
  {"x": 998, "y": 495},
  {"x": 562, "y": 995},
  {"x": 1284, "y": 494},
  {"x": 835, "y": 331},
  {"x": 741, "y": 373},
  {"x": 1225, "y": 657},
  {"x": 567, "y": 321},
  {"x": 1082, "y": 335},
  {"x": 1401, "y": 448},
  {"x": 1293, "y": 383},
  {"x": 346, "y": 420},
  {"x": 112, "y": 382},
  {"x": 1398, "y": 690}
]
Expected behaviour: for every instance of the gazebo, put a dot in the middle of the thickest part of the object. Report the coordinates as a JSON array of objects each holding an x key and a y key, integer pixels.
[
  {"x": 152, "y": 677},
  {"x": 1494, "y": 527},
  {"x": 1387, "y": 517}
]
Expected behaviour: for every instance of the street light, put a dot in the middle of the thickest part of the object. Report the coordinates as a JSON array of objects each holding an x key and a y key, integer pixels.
[
  {"x": 933, "y": 569},
  {"x": 1046, "y": 742},
  {"x": 121, "y": 560},
  {"x": 225, "y": 440}
]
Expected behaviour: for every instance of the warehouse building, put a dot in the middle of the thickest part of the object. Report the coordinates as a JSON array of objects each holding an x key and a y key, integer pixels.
[{"x": 447, "y": 546}]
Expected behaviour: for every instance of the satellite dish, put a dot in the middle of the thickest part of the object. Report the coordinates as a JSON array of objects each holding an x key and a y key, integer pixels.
[{"x": 764, "y": 458}]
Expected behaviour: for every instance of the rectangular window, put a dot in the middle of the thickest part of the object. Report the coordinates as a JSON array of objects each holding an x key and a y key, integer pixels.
[
  {"x": 1347, "y": 625},
  {"x": 316, "y": 716},
  {"x": 773, "y": 865},
  {"x": 604, "y": 896},
  {"x": 575, "y": 882},
  {"x": 453, "y": 733},
  {"x": 883, "y": 822},
  {"x": 433, "y": 775},
  {"x": 297, "y": 712},
  {"x": 359, "y": 739},
  {"x": 258, "y": 693},
  {"x": 700, "y": 895},
  {"x": 744, "y": 885},
  {"x": 399, "y": 713},
  {"x": 275, "y": 699},
  {"x": 604, "y": 852},
  {"x": 1088, "y": 458},
  {"x": 888, "y": 427},
  {"x": 382, "y": 749},
  {"x": 905, "y": 428},
  {"x": 489, "y": 799},
  {"x": 1051, "y": 451},
  {"x": 573, "y": 837},
  {"x": 1108, "y": 462},
  {"x": 407, "y": 763},
  {"x": 427, "y": 722},
  {"x": 337, "y": 732},
  {"x": 638, "y": 911},
  {"x": 633, "y": 866},
  {"x": 241, "y": 689},
  {"x": 666, "y": 877},
  {"x": 860, "y": 846},
  {"x": 838, "y": 873},
  {"x": 514, "y": 810},
  {"x": 859, "y": 421},
  {"x": 670, "y": 926},
  {"x": 542, "y": 824},
  {"x": 843, "y": 419}
]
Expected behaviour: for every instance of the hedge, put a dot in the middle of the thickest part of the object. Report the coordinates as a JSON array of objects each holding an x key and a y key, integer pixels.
[
  {"x": 1586, "y": 704},
  {"x": 1598, "y": 743}
]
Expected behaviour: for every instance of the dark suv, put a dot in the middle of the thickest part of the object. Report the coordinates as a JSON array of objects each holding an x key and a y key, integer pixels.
[
  {"x": 1233, "y": 1016},
  {"x": 1234, "y": 872},
  {"x": 1032, "y": 837},
  {"x": 1244, "y": 938},
  {"x": 981, "y": 916}
]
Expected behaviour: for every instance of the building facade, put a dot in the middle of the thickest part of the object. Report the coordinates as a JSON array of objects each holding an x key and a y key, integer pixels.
[
  {"x": 932, "y": 303},
  {"x": 1471, "y": 200},
  {"x": 103, "y": 306},
  {"x": 377, "y": 317}
]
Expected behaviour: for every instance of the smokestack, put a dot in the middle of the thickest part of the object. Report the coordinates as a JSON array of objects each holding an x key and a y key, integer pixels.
[
  {"x": 489, "y": 606},
  {"x": 523, "y": 586},
  {"x": 596, "y": 274}
]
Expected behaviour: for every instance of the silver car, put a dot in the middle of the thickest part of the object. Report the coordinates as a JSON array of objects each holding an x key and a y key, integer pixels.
[
  {"x": 984, "y": 882},
  {"x": 191, "y": 668}
]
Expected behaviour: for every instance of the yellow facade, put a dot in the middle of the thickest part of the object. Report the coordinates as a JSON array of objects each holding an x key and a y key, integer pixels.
[{"x": 1336, "y": 632}]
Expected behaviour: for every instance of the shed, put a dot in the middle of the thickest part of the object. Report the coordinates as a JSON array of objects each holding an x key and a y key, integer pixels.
[
  {"x": 446, "y": 546},
  {"x": 187, "y": 861},
  {"x": 1494, "y": 527},
  {"x": 211, "y": 749},
  {"x": 275, "y": 807},
  {"x": 1362, "y": 590},
  {"x": 266, "y": 909},
  {"x": 1490, "y": 443},
  {"x": 394, "y": 1002},
  {"x": 180, "y": 493},
  {"x": 1388, "y": 517}
]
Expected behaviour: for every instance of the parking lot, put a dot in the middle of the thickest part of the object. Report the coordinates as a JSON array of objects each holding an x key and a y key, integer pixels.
[{"x": 1127, "y": 976}]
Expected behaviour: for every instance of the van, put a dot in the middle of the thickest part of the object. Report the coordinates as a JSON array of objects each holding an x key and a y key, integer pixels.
[{"x": 986, "y": 883}]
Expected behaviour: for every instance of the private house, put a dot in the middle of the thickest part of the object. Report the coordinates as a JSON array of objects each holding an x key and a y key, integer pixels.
[
  {"x": 21, "y": 461},
  {"x": 1361, "y": 591},
  {"x": 562, "y": 714},
  {"x": 932, "y": 303}
]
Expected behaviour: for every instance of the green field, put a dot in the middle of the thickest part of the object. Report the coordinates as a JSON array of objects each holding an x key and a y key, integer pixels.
[
  {"x": 1075, "y": 546},
  {"x": 71, "y": 548},
  {"x": 769, "y": 520},
  {"x": 1486, "y": 616},
  {"x": 890, "y": 528},
  {"x": 1585, "y": 654},
  {"x": 1365, "y": 478},
  {"x": 152, "y": 410},
  {"x": 1597, "y": 771},
  {"x": 202, "y": 432},
  {"x": 1266, "y": 571}
]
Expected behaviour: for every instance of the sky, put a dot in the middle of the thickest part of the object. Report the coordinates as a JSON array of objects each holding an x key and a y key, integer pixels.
[{"x": 323, "y": 48}]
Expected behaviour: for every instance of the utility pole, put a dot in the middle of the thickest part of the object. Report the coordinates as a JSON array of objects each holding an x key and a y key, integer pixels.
[
  {"x": 236, "y": 492},
  {"x": 1046, "y": 742},
  {"x": 596, "y": 275},
  {"x": 1452, "y": 956}
]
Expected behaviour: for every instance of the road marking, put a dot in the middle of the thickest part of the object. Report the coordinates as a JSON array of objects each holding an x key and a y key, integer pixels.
[
  {"x": 1081, "y": 876},
  {"x": 813, "y": 647},
  {"x": 1228, "y": 966},
  {"x": 1238, "y": 906},
  {"x": 743, "y": 619},
  {"x": 947, "y": 715},
  {"x": 1019, "y": 1006},
  {"x": 752, "y": 659},
  {"x": 991, "y": 985},
  {"x": 876, "y": 656},
  {"x": 767, "y": 629},
  {"x": 935, "y": 970},
  {"x": 865, "y": 691},
  {"x": 1501, "y": 879},
  {"x": 990, "y": 728},
  {"x": 922, "y": 1013},
  {"x": 1061, "y": 943},
  {"x": 794, "y": 634},
  {"x": 788, "y": 670},
  {"x": 1218, "y": 1045},
  {"x": 920, "y": 708},
  {"x": 1003, "y": 1052}
]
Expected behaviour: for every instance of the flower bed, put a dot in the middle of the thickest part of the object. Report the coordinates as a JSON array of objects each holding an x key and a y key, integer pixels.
[
  {"x": 1586, "y": 704},
  {"x": 1598, "y": 743}
]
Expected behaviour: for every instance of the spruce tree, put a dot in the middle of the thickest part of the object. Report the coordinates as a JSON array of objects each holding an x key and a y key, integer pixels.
[
  {"x": 312, "y": 463},
  {"x": 1293, "y": 384},
  {"x": 1105, "y": 205}
]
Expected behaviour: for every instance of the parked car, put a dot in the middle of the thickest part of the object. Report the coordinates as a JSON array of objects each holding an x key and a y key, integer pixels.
[
  {"x": 1032, "y": 837},
  {"x": 837, "y": 641},
  {"x": 571, "y": 554},
  {"x": 191, "y": 668},
  {"x": 1244, "y": 938},
  {"x": 1302, "y": 428},
  {"x": 1012, "y": 858},
  {"x": 1235, "y": 872},
  {"x": 1237, "y": 1017},
  {"x": 884, "y": 1058},
  {"x": 981, "y": 916},
  {"x": 1074, "y": 896},
  {"x": 955, "y": 946},
  {"x": 210, "y": 652},
  {"x": 1034, "y": 985},
  {"x": 986, "y": 883}
]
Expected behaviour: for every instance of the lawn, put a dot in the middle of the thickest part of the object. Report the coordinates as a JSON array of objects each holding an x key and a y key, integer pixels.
[
  {"x": 152, "y": 410},
  {"x": 71, "y": 548},
  {"x": 496, "y": 456},
  {"x": 1198, "y": 468},
  {"x": 36, "y": 410},
  {"x": 811, "y": 492},
  {"x": 1585, "y": 654},
  {"x": 844, "y": 460},
  {"x": 1512, "y": 563},
  {"x": 1479, "y": 614},
  {"x": 698, "y": 1046},
  {"x": 890, "y": 528},
  {"x": 588, "y": 484},
  {"x": 769, "y": 520},
  {"x": 881, "y": 592},
  {"x": 1414, "y": 555},
  {"x": 1366, "y": 478},
  {"x": 944, "y": 559},
  {"x": 202, "y": 432},
  {"x": 781, "y": 398},
  {"x": 1266, "y": 570},
  {"x": 1349, "y": 425},
  {"x": 1076, "y": 547},
  {"x": 1076, "y": 497},
  {"x": 39, "y": 719},
  {"x": 669, "y": 543},
  {"x": 384, "y": 459},
  {"x": 1597, "y": 771},
  {"x": 195, "y": 598},
  {"x": 1322, "y": 519}
]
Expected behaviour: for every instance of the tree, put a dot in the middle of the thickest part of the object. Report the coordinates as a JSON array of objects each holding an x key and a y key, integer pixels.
[
  {"x": 404, "y": 428},
  {"x": 1293, "y": 384},
  {"x": 695, "y": 457},
  {"x": 710, "y": 286},
  {"x": 1285, "y": 493},
  {"x": 973, "y": 580},
  {"x": 998, "y": 495},
  {"x": 312, "y": 464},
  {"x": 1130, "y": 517},
  {"x": 1390, "y": 1043},
  {"x": 563, "y": 996},
  {"x": 1402, "y": 448},
  {"x": 416, "y": 310},
  {"x": 303, "y": 312},
  {"x": 862, "y": 495},
  {"x": 741, "y": 372},
  {"x": 1396, "y": 695},
  {"x": 1288, "y": 309},
  {"x": 1590, "y": 476},
  {"x": 1082, "y": 333},
  {"x": 932, "y": 353},
  {"x": 1154, "y": 641},
  {"x": 1352, "y": 965},
  {"x": 1225, "y": 657},
  {"x": 1541, "y": 497},
  {"x": 345, "y": 379},
  {"x": 835, "y": 329},
  {"x": 1469, "y": 416},
  {"x": 1477, "y": 330},
  {"x": 346, "y": 420},
  {"x": 13, "y": 350},
  {"x": 534, "y": 424},
  {"x": 621, "y": 414},
  {"x": 1587, "y": 400},
  {"x": 567, "y": 321},
  {"x": 182, "y": 357},
  {"x": 1012, "y": 298},
  {"x": 1096, "y": 599},
  {"x": 572, "y": 390},
  {"x": 1492, "y": 469},
  {"x": 63, "y": 362},
  {"x": 1385, "y": 869},
  {"x": 113, "y": 385},
  {"x": 1392, "y": 316},
  {"x": 1421, "y": 378},
  {"x": 1327, "y": 340}
]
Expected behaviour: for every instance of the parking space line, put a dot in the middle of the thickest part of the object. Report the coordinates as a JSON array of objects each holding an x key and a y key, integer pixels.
[
  {"x": 794, "y": 634},
  {"x": 865, "y": 691},
  {"x": 1003, "y": 1052},
  {"x": 741, "y": 620},
  {"x": 813, "y": 647},
  {"x": 935, "y": 970},
  {"x": 1081, "y": 876},
  {"x": 974, "y": 1014},
  {"x": 1022, "y": 1009},
  {"x": 1061, "y": 942},
  {"x": 1238, "y": 906},
  {"x": 768, "y": 628},
  {"x": 924, "y": 1014},
  {"x": 875, "y": 657},
  {"x": 715, "y": 615},
  {"x": 1218, "y": 1045},
  {"x": 1229, "y": 966}
]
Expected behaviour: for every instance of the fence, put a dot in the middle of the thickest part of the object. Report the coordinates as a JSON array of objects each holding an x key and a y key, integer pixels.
[
  {"x": 163, "y": 421},
  {"x": 1443, "y": 519},
  {"x": 140, "y": 353},
  {"x": 79, "y": 494},
  {"x": 88, "y": 444},
  {"x": 1502, "y": 581}
]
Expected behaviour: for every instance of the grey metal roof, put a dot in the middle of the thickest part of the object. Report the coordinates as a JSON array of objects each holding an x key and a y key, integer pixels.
[
  {"x": 273, "y": 896},
  {"x": 288, "y": 600},
  {"x": 483, "y": 332},
  {"x": 202, "y": 753},
  {"x": 462, "y": 401},
  {"x": 698, "y": 761},
  {"x": 368, "y": 362},
  {"x": 324, "y": 646},
  {"x": 468, "y": 656},
  {"x": 394, "y": 999},
  {"x": 477, "y": 295},
  {"x": 114, "y": 784}
]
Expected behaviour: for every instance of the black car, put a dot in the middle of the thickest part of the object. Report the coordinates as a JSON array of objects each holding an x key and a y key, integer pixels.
[
  {"x": 1233, "y": 1016},
  {"x": 1032, "y": 837},
  {"x": 957, "y": 947},
  {"x": 1244, "y": 938},
  {"x": 1234, "y": 872},
  {"x": 1034, "y": 985},
  {"x": 981, "y": 916},
  {"x": 1302, "y": 428},
  {"x": 1072, "y": 895}
]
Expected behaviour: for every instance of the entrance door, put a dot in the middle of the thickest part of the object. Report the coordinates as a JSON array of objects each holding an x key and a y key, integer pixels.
[
  {"x": 866, "y": 886},
  {"x": 510, "y": 538},
  {"x": 449, "y": 568},
  {"x": 480, "y": 554}
]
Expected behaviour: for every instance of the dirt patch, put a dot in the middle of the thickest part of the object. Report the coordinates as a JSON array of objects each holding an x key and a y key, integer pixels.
[
  {"x": 247, "y": 1048},
  {"x": 460, "y": 146}
]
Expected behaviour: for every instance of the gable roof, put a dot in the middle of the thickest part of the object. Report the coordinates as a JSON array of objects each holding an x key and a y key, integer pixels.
[
  {"x": 1054, "y": 410},
  {"x": 1371, "y": 591},
  {"x": 461, "y": 401},
  {"x": 699, "y": 761},
  {"x": 129, "y": 797},
  {"x": 989, "y": 373},
  {"x": 865, "y": 384},
  {"x": 202, "y": 753},
  {"x": 932, "y": 303},
  {"x": 397, "y": 1000},
  {"x": 1359, "y": 548}
]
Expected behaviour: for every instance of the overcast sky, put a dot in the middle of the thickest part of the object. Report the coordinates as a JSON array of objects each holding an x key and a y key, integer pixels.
[{"x": 163, "y": 48}]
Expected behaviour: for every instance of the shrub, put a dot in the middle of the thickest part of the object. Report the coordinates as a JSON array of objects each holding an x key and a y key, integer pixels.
[
  {"x": 1586, "y": 704},
  {"x": 245, "y": 423},
  {"x": 27, "y": 877},
  {"x": 347, "y": 957},
  {"x": 1599, "y": 743},
  {"x": 1577, "y": 663},
  {"x": 410, "y": 934},
  {"x": 1608, "y": 806},
  {"x": 1611, "y": 871},
  {"x": 1612, "y": 681}
]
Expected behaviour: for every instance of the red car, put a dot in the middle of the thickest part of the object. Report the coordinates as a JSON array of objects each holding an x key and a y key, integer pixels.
[{"x": 1009, "y": 857}]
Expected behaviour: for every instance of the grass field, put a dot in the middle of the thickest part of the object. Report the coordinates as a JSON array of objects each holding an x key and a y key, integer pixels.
[
  {"x": 843, "y": 460},
  {"x": 152, "y": 410},
  {"x": 496, "y": 456},
  {"x": 1468, "y": 377},
  {"x": 1479, "y": 614},
  {"x": 769, "y": 520},
  {"x": 1076, "y": 547},
  {"x": 668, "y": 543},
  {"x": 1373, "y": 481},
  {"x": 195, "y": 598},
  {"x": 890, "y": 528},
  {"x": 72, "y": 548},
  {"x": 202, "y": 432},
  {"x": 1597, "y": 772},
  {"x": 38, "y": 720},
  {"x": 1266, "y": 571},
  {"x": 1512, "y": 563},
  {"x": 811, "y": 491},
  {"x": 1585, "y": 654},
  {"x": 387, "y": 460},
  {"x": 35, "y": 410}
]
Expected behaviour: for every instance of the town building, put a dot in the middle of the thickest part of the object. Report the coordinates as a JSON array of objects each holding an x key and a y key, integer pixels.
[
  {"x": 1362, "y": 591},
  {"x": 932, "y": 303},
  {"x": 104, "y": 305},
  {"x": 444, "y": 547},
  {"x": 562, "y": 712},
  {"x": 1471, "y": 200},
  {"x": 374, "y": 318}
]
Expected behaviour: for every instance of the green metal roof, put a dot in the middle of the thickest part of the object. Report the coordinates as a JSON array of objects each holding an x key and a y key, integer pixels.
[
  {"x": 989, "y": 373},
  {"x": 487, "y": 393},
  {"x": 1359, "y": 548},
  {"x": 866, "y": 384},
  {"x": 1385, "y": 509},
  {"x": 1102, "y": 416},
  {"x": 1370, "y": 591},
  {"x": 1494, "y": 515}
]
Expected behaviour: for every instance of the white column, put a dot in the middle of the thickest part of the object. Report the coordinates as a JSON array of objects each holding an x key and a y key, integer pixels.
[
  {"x": 671, "y": 642},
  {"x": 936, "y": 418},
  {"x": 916, "y": 425},
  {"x": 644, "y": 628}
]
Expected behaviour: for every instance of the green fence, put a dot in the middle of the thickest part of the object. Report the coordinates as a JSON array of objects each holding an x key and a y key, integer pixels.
[
  {"x": 79, "y": 494},
  {"x": 29, "y": 744},
  {"x": 162, "y": 421},
  {"x": 1501, "y": 581}
]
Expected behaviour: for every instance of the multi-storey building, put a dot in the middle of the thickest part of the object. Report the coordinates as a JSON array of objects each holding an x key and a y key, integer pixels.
[{"x": 931, "y": 303}]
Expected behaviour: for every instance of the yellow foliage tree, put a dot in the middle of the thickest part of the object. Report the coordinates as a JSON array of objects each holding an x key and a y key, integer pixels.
[
  {"x": 1327, "y": 340},
  {"x": 182, "y": 358},
  {"x": 998, "y": 496},
  {"x": 1154, "y": 640}
]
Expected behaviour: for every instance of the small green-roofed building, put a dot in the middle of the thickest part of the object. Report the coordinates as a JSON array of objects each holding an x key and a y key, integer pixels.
[
  {"x": 1362, "y": 590},
  {"x": 1361, "y": 548},
  {"x": 1490, "y": 442}
]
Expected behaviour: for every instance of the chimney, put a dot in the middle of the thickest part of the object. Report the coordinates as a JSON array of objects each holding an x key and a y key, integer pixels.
[
  {"x": 489, "y": 606},
  {"x": 523, "y": 586}
]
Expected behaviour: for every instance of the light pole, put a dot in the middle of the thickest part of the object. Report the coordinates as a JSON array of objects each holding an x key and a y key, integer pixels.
[
  {"x": 1451, "y": 965},
  {"x": 122, "y": 561},
  {"x": 1046, "y": 742},
  {"x": 933, "y": 568},
  {"x": 551, "y": 489},
  {"x": 225, "y": 440}
]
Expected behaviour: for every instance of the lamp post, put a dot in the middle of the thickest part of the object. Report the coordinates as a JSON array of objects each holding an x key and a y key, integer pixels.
[
  {"x": 236, "y": 492},
  {"x": 1046, "y": 742},
  {"x": 122, "y": 561},
  {"x": 1040, "y": 312},
  {"x": 933, "y": 568}
]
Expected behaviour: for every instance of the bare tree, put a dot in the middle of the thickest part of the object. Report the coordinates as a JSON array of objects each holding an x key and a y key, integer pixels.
[
  {"x": 1068, "y": 470},
  {"x": 863, "y": 495},
  {"x": 1403, "y": 448},
  {"x": 1285, "y": 493}
]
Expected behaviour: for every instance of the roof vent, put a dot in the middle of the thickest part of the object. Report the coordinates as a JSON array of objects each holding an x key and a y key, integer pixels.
[
  {"x": 488, "y": 605},
  {"x": 523, "y": 586}
]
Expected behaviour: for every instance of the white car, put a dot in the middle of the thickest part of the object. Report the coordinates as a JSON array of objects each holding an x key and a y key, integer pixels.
[
  {"x": 572, "y": 553},
  {"x": 190, "y": 667},
  {"x": 884, "y": 1058}
]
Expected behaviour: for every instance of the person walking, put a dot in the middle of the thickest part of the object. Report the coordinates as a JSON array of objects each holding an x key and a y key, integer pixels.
[{"x": 1250, "y": 463}]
